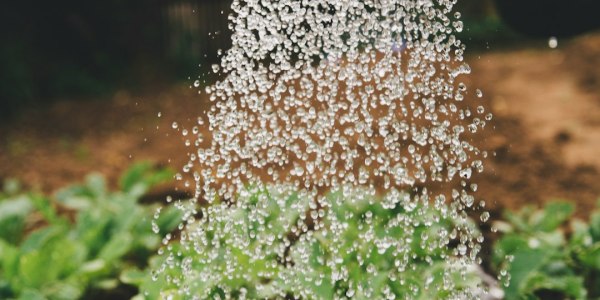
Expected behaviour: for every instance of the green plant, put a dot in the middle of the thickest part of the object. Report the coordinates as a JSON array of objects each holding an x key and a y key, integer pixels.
[
  {"x": 550, "y": 255},
  {"x": 423, "y": 239},
  {"x": 85, "y": 247},
  {"x": 235, "y": 226},
  {"x": 265, "y": 246}
]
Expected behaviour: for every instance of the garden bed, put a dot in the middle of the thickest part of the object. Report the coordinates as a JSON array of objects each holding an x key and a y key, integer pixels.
[{"x": 545, "y": 131}]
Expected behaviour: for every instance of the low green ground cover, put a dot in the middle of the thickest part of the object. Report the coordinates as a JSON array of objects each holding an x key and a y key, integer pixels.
[
  {"x": 551, "y": 254},
  {"x": 69, "y": 256},
  {"x": 87, "y": 238},
  {"x": 302, "y": 267}
]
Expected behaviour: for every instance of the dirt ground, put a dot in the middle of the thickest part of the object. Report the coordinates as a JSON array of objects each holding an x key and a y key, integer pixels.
[{"x": 545, "y": 132}]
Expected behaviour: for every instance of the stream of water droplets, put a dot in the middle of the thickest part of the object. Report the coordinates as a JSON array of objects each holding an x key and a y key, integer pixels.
[{"x": 338, "y": 135}]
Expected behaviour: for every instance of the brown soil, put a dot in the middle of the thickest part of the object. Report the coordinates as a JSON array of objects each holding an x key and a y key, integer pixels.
[
  {"x": 546, "y": 104},
  {"x": 545, "y": 132}
]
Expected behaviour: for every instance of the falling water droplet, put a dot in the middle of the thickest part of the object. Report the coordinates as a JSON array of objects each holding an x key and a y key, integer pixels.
[
  {"x": 485, "y": 216},
  {"x": 479, "y": 93},
  {"x": 553, "y": 42}
]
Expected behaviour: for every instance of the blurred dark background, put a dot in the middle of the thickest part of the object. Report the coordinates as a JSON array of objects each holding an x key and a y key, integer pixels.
[
  {"x": 68, "y": 48},
  {"x": 80, "y": 49}
]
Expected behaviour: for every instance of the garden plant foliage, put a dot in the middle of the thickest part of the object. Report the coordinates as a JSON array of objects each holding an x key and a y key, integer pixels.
[
  {"x": 550, "y": 254},
  {"x": 307, "y": 256},
  {"x": 68, "y": 254},
  {"x": 88, "y": 238}
]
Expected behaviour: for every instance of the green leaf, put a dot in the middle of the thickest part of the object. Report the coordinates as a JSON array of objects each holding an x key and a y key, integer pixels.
[
  {"x": 134, "y": 175},
  {"x": 57, "y": 258},
  {"x": 169, "y": 219},
  {"x": 93, "y": 229},
  {"x": 118, "y": 246},
  {"x": 572, "y": 287},
  {"x": 148, "y": 240},
  {"x": 93, "y": 268},
  {"x": 77, "y": 203},
  {"x": 32, "y": 294},
  {"x": 595, "y": 226},
  {"x": 35, "y": 270},
  {"x": 526, "y": 261},
  {"x": 45, "y": 207},
  {"x": 63, "y": 290},
  {"x": 12, "y": 218},
  {"x": 149, "y": 288},
  {"x": 38, "y": 239},
  {"x": 79, "y": 192},
  {"x": 377, "y": 283},
  {"x": 106, "y": 284},
  {"x": 5, "y": 289},
  {"x": 11, "y": 186},
  {"x": 590, "y": 256},
  {"x": 307, "y": 281},
  {"x": 519, "y": 221},
  {"x": 96, "y": 185},
  {"x": 9, "y": 260},
  {"x": 133, "y": 276},
  {"x": 554, "y": 214},
  {"x": 581, "y": 236},
  {"x": 141, "y": 176},
  {"x": 20, "y": 206}
]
